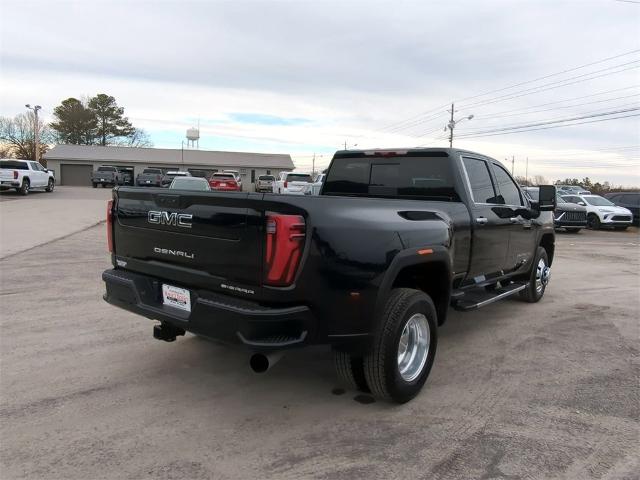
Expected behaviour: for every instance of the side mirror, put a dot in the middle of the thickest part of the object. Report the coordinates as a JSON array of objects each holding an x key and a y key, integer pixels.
[
  {"x": 582, "y": 203},
  {"x": 546, "y": 198}
]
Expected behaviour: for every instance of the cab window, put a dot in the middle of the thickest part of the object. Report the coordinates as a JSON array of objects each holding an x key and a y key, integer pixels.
[{"x": 509, "y": 191}]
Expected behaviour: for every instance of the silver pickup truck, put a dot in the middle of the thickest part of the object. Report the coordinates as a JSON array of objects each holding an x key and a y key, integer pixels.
[
  {"x": 106, "y": 175},
  {"x": 150, "y": 177}
]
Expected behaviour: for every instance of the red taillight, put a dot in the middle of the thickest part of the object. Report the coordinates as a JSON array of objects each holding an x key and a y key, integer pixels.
[
  {"x": 285, "y": 241},
  {"x": 110, "y": 225},
  {"x": 15, "y": 174},
  {"x": 285, "y": 184}
]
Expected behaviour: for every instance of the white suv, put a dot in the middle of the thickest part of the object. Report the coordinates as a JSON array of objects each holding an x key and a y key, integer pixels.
[
  {"x": 290, "y": 183},
  {"x": 601, "y": 212}
]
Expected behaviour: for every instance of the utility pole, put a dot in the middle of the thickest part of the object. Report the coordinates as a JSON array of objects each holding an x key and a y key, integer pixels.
[
  {"x": 513, "y": 161},
  {"x": 526, "y": 173},
  {"x": 452, "y": 124},
  {"x": 182, "y": 154},
  {"x": 313, "y": 165},
  {"x": 36, "y": 132}
]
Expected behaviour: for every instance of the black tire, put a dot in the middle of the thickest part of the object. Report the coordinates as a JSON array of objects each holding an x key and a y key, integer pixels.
[
  {"x": 533, "y": 293},
  {"x": 381, "y": 363},
  {"x": 95, "y": 185},
  {"x": 24, "y": 188},
  {"x": 593, "y": 221},
  {"x": 572, "y": 230},
  {"x": 51, "y": 185},
  {"x": 350, "y": 371}
]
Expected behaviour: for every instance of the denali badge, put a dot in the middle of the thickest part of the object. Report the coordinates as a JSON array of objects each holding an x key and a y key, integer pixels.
[
  {"x": 175, "y": 253},
  {"x": 166, "y": 218},
  {"x": 237, "y": 289}
]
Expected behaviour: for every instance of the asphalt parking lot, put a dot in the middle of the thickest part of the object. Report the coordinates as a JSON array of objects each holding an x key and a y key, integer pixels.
[{"x": 548, "y": 390}]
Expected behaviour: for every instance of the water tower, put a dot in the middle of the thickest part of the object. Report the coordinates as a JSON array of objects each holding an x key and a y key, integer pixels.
[{"x": 193, "y": 137}]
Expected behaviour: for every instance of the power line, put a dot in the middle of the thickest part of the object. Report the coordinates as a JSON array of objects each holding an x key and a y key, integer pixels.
[
  {"x": 553, "y": 85},
  {"x": 612, "y": 108},
  {"x": 402, "y": 122},
  {"x": 549, "y": 127}
]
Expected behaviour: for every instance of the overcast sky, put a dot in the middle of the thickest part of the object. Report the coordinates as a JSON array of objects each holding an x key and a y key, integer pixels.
[{"x": 301, "y": 77}]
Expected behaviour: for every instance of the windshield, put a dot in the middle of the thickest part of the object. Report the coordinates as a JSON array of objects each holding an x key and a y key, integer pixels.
[
  {"x": 533, "y": 193},
  {"x": 598, "y": 201},
  {"x": 195, "y": 184},
  {"x": 267, "y": 177},
  {"x": 559, "y": 199},
  {"x": 414, "y": 175},
  {"x": 156, "y": 171},
  {"x": 14, "y": 165},
  {"x": 222, "y": 177},
  {"x": 299, "y": 177},
  {"x": 106, "y": 169}
]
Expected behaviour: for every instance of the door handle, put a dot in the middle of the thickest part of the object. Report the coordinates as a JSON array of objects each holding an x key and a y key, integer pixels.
[
  {"x": 514, "y": 220},
  {"x": 482, "y": 220}
]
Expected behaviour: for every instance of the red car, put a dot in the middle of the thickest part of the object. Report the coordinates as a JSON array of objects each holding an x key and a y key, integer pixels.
[{"x": 224, "y": 182}]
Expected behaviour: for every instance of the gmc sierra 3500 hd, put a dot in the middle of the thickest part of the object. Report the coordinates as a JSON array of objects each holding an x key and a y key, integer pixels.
[{"x": 369, "y": 266}]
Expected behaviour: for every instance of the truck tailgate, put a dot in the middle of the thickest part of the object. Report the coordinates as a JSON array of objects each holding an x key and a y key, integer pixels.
[{"x": 201, "y": 238}]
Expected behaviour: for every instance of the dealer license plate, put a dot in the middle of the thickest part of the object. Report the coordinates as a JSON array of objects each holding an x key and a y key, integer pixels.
[{"x": 176, "y": 297}]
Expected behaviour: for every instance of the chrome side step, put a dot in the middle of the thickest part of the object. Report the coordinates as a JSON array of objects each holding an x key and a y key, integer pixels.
[{"x": 476, "y": 299}]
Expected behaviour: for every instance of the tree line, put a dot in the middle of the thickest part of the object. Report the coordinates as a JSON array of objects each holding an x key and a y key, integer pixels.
[
  {"x": 598, "y": 188},
  {"x": 97, "y": 120}
]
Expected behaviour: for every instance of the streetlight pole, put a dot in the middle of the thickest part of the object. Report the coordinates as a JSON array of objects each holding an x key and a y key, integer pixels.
[
  {"x": 452, "y": 124},
  {"x": 36, "y": 132}
]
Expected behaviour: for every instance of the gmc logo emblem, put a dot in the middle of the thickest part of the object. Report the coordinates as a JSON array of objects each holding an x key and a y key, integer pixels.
[{"x": 165, "y": 218}]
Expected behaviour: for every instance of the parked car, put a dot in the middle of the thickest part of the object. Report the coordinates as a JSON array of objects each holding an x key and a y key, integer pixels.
[
  {"x": 265, "y": 183},
  {"x": 23, "y": 175},
  {"x": 369, "y": 267},
  {"x": 106, "y": 175},
  {"x": 196, "y": 184},
  {"x": 168, "y": 177},
  {"x": 237, "y": 176},
  {"x": 601, "y": 212},
  {"x": 572, "y": 190},
  {"x": 224, "y": 181},
  {"x": 150, "y": 177},
  {"x": 314, "y": 188},
  {"x": 569, "y": 216},
  {"x": 628, "y": 200},
  {"x": 290, "y": 183}
]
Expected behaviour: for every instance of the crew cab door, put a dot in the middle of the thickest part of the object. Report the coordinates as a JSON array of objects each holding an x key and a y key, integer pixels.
[
  {"x": 39, "y": 178},
  {"x": 490, "y": 237},
  {"x": 521, "y": 238}
]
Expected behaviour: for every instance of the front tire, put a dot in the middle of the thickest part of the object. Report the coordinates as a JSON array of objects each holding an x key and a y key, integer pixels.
[
  {"x": 404, "y": 347},
  {"x": 538, "y": 279},
  {"x": 51, "y": 185},
  {"x": 593, "y": 221}
]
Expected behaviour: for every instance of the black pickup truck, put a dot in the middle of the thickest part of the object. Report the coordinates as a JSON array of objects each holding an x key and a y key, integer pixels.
[{"x": 370, "y": 266}]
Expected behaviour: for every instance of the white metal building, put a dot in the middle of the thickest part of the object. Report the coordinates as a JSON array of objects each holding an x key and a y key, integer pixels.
[{"x": 74, "y": 164}]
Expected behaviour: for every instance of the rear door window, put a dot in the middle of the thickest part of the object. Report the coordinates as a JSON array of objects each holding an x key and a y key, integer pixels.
[{"x": 480, "y": 180}]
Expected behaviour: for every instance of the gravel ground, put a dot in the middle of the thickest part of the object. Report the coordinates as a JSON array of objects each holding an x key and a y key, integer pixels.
[{"x": 517, "y": 391}]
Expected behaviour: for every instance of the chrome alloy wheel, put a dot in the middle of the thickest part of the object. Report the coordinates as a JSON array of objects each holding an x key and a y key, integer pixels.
[
  {"x": 413, "y": 347},
  {"x": 543, "y": 274}
]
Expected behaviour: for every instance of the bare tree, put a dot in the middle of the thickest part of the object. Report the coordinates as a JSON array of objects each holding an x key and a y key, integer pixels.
[
  {"x": 138, "y": 138},
  {"x": 539, "y": 180},
  {"x": 17, "y": 135}
]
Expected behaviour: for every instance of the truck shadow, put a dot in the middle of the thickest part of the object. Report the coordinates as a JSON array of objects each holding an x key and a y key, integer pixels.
[{"x": 206, "y": 368}]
